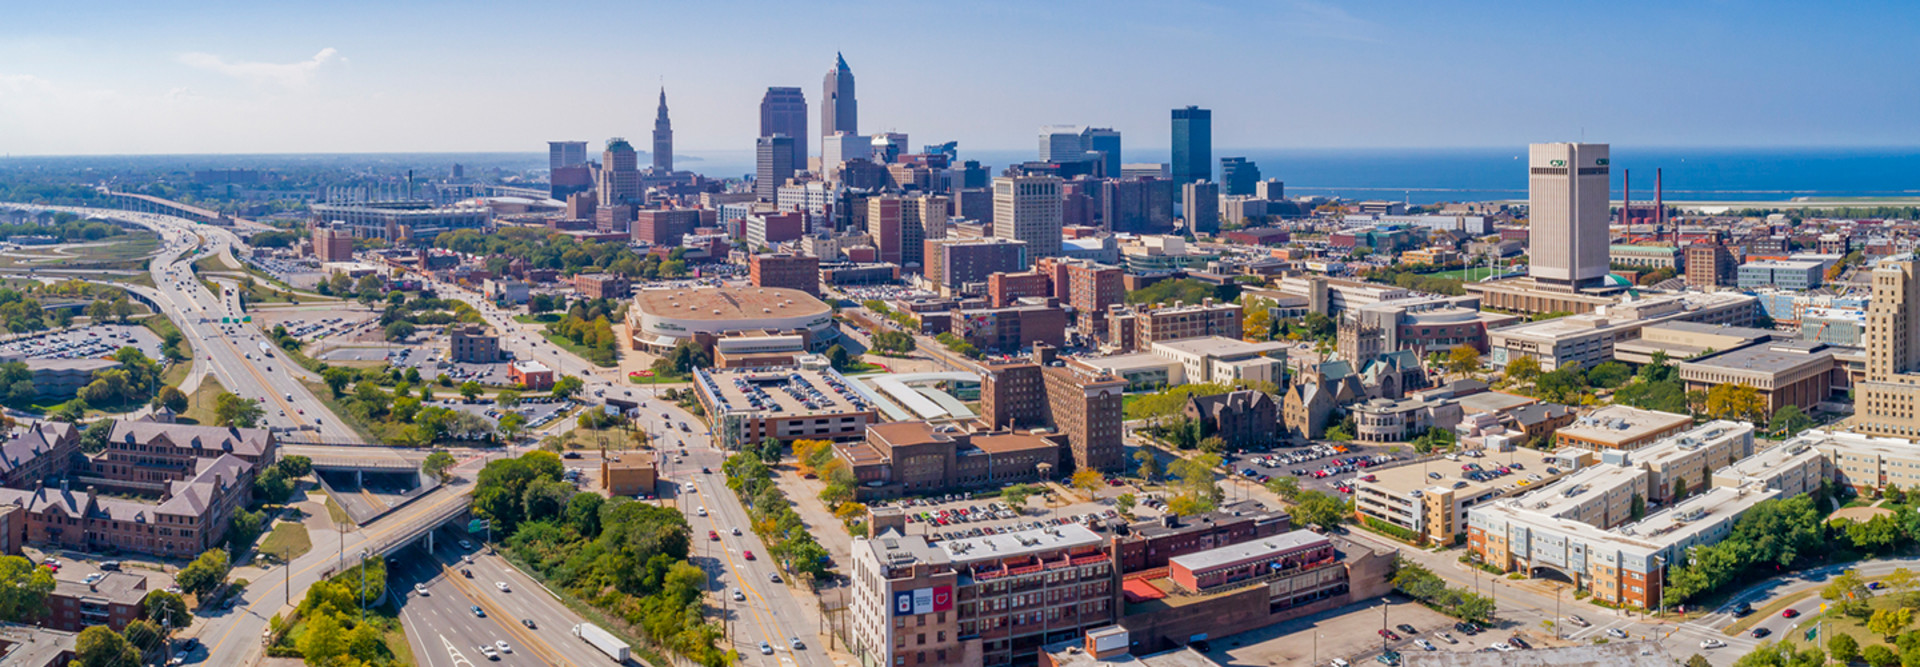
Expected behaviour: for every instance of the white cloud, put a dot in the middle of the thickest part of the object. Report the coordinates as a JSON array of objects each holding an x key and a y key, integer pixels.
[{"x": 290, "y": 75}]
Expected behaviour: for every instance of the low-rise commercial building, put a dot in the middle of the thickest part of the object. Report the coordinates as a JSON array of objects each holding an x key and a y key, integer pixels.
[
  {"x": 747, "y": 406},
  {"x": 632, "y": 474},
  {"x": 473, "y": 344},
  {"x": 1146, "y": 545},
  {"x": 1784, "y": 373},
  {"x": 1140, "y": 328},
  {"x": 506, "y": 291},
  {"x": 1620, "y": 427},
  {"x": 1012, "y": 328},
  {"x": 603, "y": 285},
  {"x": 1223, "y": 360},
  {"x": 1399, "y": 420},
  {"x": 1582, "y": 341},
  {"x": 915, "y": 458},
  {"x": 533, "y": 375},
  {"x": 1792, "y": 275}
]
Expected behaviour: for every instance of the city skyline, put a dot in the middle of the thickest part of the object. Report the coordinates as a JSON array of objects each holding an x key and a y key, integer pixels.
[{"x": 112, "y": 79}]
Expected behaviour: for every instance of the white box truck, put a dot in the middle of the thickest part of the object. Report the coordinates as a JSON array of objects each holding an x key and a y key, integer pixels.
[{"x": 603, "y": 640}]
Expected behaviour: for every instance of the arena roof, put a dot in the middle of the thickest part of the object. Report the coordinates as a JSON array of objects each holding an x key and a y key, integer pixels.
[{"x": 727, "y": 303}]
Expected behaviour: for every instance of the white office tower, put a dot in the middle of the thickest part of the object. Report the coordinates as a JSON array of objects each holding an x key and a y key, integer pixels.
[
  {"x": 1568, "y": 215},
  {"x": 1028, "y": 208}
]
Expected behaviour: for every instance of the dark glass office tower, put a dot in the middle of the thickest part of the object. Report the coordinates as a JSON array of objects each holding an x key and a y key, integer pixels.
[{"x": 1192, "y": 145}]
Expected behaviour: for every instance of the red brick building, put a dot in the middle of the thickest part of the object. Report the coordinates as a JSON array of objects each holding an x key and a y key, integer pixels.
[
  {"x": 603, "y": 285},
  {"x": 533, "y": 375},
  {"x": 799, "y": 272},
  {"x": 665, "y": 228},
  {"x": 113, "y": 601},
  {"x": 1005, "y": 288}
]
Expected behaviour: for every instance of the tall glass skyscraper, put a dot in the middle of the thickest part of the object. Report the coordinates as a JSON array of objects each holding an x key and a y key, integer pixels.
[{"x": 1192, "y": 145}]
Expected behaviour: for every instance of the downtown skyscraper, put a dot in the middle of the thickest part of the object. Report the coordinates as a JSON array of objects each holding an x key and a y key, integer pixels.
[
  {"x": 773, "y": 165},
  {"x": 662, "y": 138},
  {"x": 1569, "y": 211},
  {"x": 1192, "y": 145},
  {"x": 784, "y": 111},
  {"x": 839, "y": 111}
]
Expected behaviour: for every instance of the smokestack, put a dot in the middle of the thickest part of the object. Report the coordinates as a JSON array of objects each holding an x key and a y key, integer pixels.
[
  {"x": 1626, "y": 202},
  {"x": 1660, "y": 207}
]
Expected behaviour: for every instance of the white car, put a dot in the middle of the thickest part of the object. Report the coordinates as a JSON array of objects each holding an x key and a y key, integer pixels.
[
  {"x": 1502, "y": 647},
  {"x": 420, "y": 589},
  {"x": 490, "y": 653},
  {"x": 502, "y": 645},
  {"x": 1426, "y": 645},
  {"x": 739, "y": 596},
  {"x": 502, "y": 586},
  {"x": 1616, "y": 633},
  {"x": 703, "y": 510},
  {"x": 1711, "y": 643}
]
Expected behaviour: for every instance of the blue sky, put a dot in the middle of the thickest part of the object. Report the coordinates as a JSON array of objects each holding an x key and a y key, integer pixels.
[{"x": 80, "y": 77}]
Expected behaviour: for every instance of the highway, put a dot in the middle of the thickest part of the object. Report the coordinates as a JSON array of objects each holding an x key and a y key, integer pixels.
[
  {"x": 445, "y": 632},
  {"x": 772, "y": 612}
]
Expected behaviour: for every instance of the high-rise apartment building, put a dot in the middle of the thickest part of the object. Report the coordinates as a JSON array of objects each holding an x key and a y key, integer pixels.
[
  {"x": 1192, "y": 145},
  {"x": 953, "y": 263},
  {"x": 619, "y": 180},
  {"x": 1567, "y": 214},
  {"x": 799, "y": 272},
  {"x": 1013, "y": 394},
  {"x": 566, "y": 154},
  {"x": 1085, "y": 407},
  {"x": 1238, "y": 176},
  {"x": 884, "y": 225},
  {"x": 839, "y": 112},
  {"x": 662, "y": 138},
  {"x": 1200, "y": 206},
  {"x": 924, "y": 217},
  {"x": 1137, "y": 205},
  {"x": 784, "y": 111},
  {"x": 1027, "y": 208},
  {"x": 1889, "y": 399},
  {"x": 773, "y": 165}
]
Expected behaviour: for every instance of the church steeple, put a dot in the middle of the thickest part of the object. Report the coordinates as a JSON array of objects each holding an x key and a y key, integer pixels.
[{"x": 662, "y": 138}]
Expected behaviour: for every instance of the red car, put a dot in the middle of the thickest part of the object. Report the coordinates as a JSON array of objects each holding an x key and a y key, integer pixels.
[
  {"x": 747, "y": 554},
  {"x": 712, "y": 535},
  {"x": 1789, "y": 614},
  {"x": 1389, "y": 634}
]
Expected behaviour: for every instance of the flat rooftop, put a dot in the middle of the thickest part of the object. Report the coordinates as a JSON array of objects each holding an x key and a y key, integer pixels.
[
  {"x": 1493, "y": 402},
  {"x": 1021, "y": 543},
  {"x": 1408, "y": 478},
  {"x": 1220, "y": 346},
  {"x": 1787, "y": 455},
  {"x": 1244, "y": 551},
  {"x": 727, "y": 303},
  {"x": 1616, "y": 424},
  {"x": 783, "y": 392},
  {"x": 1643, "y": 653},
  {"x": 1125, "y": 362},
  {"x": 1778, "y": 357}
]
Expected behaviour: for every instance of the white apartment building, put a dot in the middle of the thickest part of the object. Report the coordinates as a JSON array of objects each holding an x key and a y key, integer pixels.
[{"x": 1028, "y": 208}]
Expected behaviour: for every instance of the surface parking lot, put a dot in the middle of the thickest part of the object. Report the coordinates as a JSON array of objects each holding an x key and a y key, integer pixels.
[
  {"x": 320, "y": 328},
  {"x": 1342, "y": 461},
  {"x": 90, "y": 342},
  {"x": 537, "y": 414},
  {"x": 964, "y": 517}
]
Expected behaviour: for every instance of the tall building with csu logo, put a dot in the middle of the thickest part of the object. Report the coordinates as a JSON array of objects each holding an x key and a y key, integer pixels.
[
  {"x": 1568, "y": 214},
  {"x": 991, "y": 601}
]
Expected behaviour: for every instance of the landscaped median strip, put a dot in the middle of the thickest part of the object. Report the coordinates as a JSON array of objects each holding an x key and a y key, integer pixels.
[{"x": 1766, "y": 612}]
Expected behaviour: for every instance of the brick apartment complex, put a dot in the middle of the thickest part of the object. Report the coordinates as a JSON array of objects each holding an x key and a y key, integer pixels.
[
  {"x": 1003, "y": 289},
  {"x": 37, "y": 452},
  {"x": 603, "y": 286},
  {"x": 664, "y": 228},
  {"x": 1147, "y": 545},
  {"x": 332, "y": 243},
  {"x": 1139, "y": 329},
  {"x": 198, "y": 476},
  {"x": 472, "y": 344},
  {"x": 953, "y": 265},
  {"x": 1086, "y": 409},
  {"x": 113, "y": 601},
  {"x": 1089, "y": 289},
  {"x": 1013, "y": 394},
  {"x": 1011, "y": 328},
  {"x": 799, "y": 272},
  {"x": 914, "y": 458},
  {"x": 990, "y": 601}
]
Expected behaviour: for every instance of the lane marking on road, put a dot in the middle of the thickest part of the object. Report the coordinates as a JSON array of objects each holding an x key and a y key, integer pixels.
[
  {"x": 495, "y": 612},
  {"x": 740, "y": 576},
  {"x": 458, "y": 658}
]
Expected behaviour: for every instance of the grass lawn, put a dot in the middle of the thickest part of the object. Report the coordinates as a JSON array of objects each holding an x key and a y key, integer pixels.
[
  {"x": 338, "y": 513},
  {"x": 541, "y": 318},
  {"x": 670, "y": 378},
  {"x": 200, "y": 402},
  {"x": 1838, "y": 623},
  {"x": 1468, "y": 274},
  {"x": 288, "y": 540},
  {"x": 577, "y": 349},
  {"x": 160, "y": 325},
  {"x": 214, "y": 262}
]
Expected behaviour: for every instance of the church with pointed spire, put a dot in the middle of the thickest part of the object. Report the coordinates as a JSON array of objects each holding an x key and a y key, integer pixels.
[{"x": 662, "y": 139}]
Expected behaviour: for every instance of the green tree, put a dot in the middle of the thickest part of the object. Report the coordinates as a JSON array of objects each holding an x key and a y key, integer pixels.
[
  {"x": 1285, "y": 486},
  {"x": 1149, "y": 464},
  {"x": 205, "y": 573},
  {"x": 141, "y": 635},
  {"x": 508, "y": 399},
  {"x": 438, "y": 464},
  {"x": 100, "y": 646},
  {"x": 1523, "y": 369},
  {"x": 171, "y": 398},
  {"x": 1879, "y": 655},
  {"x": 1314, "y": 508},
  {"x": 567, "y": 386},
  {"x": 324, "y": 641},
  {"x": 230, "y": 409},
  {"x": 1609, "y": 375},
  {"x": 1889, "y": 622},
  {"x": 166, "y": 608},
  {"x": 1789, "y": 420},
  {"x": 1463, "y": 360},
  {"x": 1843, "y": 647},
  {"x": 1679, "y": 489},
  {"x": 470, "y": 390},
  {"x": 23, "y": 589},
  {"x": 1125, "y": 502},
  {"x": 1017, "y": 495}
]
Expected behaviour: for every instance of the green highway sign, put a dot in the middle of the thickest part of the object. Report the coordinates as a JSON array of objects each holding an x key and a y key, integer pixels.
[{"x": 477, "y": 526}]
